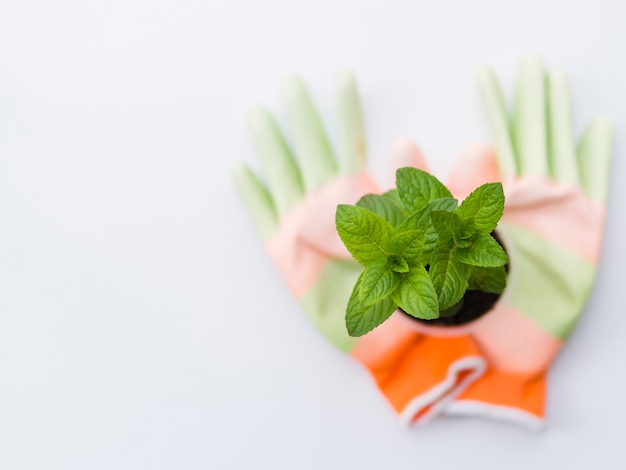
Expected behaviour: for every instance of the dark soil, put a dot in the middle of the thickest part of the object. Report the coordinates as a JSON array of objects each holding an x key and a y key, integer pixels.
[{"x": 475, "y": 304}]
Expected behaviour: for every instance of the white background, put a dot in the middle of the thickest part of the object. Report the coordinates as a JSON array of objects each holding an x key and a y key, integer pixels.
[{"x": 141, "y": 324}]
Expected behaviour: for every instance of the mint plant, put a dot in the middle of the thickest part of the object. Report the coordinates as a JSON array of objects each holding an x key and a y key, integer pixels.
[{"x": 421, "y": 250}]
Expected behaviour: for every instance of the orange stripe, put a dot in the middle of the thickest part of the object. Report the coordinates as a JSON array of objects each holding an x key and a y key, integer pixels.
[
  {"x": 511, "y": 341},
  {"x": 406, "y": 364},
  {"x": 522, "y": 391}
]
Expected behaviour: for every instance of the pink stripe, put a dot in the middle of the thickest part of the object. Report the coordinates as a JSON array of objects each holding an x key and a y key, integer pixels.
[
  {"x": 477, "y": 165},
  {"x": 510, "y": 341},
  {"x": 506, "y": 338},
  {"x": 381, "y": 341},
  {"x": 307, "y": 237},
  {"x": 406, "y": 153},
  {"x": 562, "y": 214},
  {"x": 299, "y": 264}
]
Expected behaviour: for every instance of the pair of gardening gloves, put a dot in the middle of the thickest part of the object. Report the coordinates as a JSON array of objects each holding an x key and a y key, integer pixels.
[{"x": 551, "y": 227}]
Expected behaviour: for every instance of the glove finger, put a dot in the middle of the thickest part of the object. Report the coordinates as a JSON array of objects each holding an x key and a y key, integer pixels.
[
  {"x": 594, "y": 158},
  {"x": 563, "y": 167},
  {"x": 476, "y": 165},
  {"x": 498, "y": 121},
  {"x": 309, "y": 139},
  {"x": 351, "y": 136},
  {"x": 529, "y": 125},
  {"x": 279, "y": 167},
  {"x": 257, "y": 200}
]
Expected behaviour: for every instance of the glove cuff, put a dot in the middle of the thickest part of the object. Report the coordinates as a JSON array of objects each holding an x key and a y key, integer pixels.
[{"x": 419, "y": 375}]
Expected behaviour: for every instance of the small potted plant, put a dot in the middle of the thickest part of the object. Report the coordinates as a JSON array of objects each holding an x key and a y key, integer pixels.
[{"x": 423, "y": 252}]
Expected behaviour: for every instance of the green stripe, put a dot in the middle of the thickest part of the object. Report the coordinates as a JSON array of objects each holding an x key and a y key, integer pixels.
[
  {"x": 310, "y": 143},
  {"x": 563, "y": 165},
  {"x": 284, "y": 181},
  {"x": 498, "y": 121},
  {"x": 551, "y": 284},
  {"x": 257, "y": 200},
  {"x": 350, "y": 135},
  {"x": 594, "y": 158},
  {"x": 530, "y": 119},
  {"x": 325, "y": 304}
]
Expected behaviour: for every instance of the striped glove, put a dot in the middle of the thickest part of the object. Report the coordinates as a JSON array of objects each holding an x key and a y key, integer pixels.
[{"x": 552, "y": 229}]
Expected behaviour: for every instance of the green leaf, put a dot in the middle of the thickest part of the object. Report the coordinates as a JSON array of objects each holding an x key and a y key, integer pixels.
[
  {"x": 387, "y": 205},
  {"x": 484, "y": 206},
  {"x": 448, "y": 275},
  {"x": 468, "y": 229},
  {"x": 417, "y": 188},
  {"x": 484, "y": 251},
  {"x": 447, "y": 224},
  {"x": 398, "y": 264},
  {"x": 487, "y": 279},
  {"x": 393, "y": 196},
  {"x": 416, "y": 295},
  {"x": 365, "y": 234},
  {"x": 378, "y": 281},
  {"x": 409, "y": 245},
  {"x": 361, "y": 318},
  {"x": 421, "y": 220}
]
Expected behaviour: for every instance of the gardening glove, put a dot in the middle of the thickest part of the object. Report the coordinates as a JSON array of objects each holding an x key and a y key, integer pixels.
[
  {"x": 294, "y": 213},
  {"x": 552, "y": 229}
]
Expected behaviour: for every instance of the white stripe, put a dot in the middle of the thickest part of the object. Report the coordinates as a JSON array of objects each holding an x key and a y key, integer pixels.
[
  {"x": 443, "y": 393},
  {"x": 498, "y": 412}
]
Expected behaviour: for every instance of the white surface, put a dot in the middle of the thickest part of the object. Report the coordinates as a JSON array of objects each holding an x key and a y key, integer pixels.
[{"x": 142, "y": 326}]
